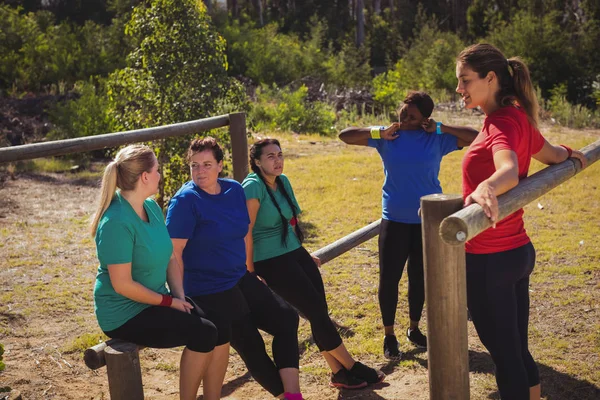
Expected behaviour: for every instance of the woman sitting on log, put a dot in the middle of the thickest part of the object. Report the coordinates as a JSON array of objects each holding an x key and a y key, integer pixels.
[
  {"x": 132, "y": 302},
  {"x": 274, "y": 252},
  {"x": 207, "y": 220}
]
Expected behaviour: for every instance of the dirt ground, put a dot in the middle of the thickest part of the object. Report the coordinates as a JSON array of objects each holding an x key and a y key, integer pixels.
[{"x": 47, "y": 269}]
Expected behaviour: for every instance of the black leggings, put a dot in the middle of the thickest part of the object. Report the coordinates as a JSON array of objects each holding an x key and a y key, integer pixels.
[
  {"x": 164, "y": 327},
  {"x": 397, "y": 243},
  {"x": 273, "y": 315},
  {"x": 295, "y": 277},
  {"x": 498, "y": 300}
]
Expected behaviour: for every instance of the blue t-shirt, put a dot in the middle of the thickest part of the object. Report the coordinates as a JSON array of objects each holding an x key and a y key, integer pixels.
[
  {"x": 214, "y": 257},
  {"x": 411, "y": 165}
]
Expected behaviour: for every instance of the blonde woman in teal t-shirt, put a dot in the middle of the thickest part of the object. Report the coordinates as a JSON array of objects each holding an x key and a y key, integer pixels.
[
  {"x": 131, "y": 299},
  {"x": 274, "y": 252}
]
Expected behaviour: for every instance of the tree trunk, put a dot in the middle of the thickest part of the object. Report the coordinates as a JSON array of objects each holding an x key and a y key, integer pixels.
[
  {"x": 257, "y": 4},
  {"x": 459, "y": 15},
  {"x": 360, "y": 23},
  {"x": 208, "y": 4},
  {"x": 377, "y": 7}
]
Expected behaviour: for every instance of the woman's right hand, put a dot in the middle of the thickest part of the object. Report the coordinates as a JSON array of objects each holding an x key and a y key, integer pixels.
[
  {"x": 390, "y": 133},
  {"x": 181, "y": 305}
]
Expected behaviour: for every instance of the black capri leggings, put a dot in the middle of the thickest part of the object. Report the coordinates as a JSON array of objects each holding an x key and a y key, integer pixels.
[
  {"x": 397, "y": 243},
  {"x": 273, "y": 315},
  {"x": 164, "y": 327},
  {"x": 498, "y": 300},
  {"x": 295, "y": 277}
]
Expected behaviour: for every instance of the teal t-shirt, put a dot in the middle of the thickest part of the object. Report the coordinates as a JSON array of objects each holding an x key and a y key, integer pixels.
[
  {"x": 268, "y": 226},
  {"x": 123, "y": 237}
]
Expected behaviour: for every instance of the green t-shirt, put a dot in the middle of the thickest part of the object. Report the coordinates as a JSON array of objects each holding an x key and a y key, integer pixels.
[
  {"x": 123, "y": 237},
  {"x": 268, "y": 226}
]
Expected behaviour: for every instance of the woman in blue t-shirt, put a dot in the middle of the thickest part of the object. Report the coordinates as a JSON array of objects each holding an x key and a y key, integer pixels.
[
  {"x": 411, "y": 151},
  {"x": 131, "y": 300},
  {"x": 208, "y": 221}
]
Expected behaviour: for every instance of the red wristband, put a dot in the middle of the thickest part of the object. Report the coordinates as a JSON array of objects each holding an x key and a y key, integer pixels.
[
  {"x": 166, "y": 301},
  {"x": 568, "y": 149}
]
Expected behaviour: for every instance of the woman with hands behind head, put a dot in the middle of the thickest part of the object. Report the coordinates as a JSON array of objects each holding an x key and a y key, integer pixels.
[
  {"x": 411, "y": 151},
  {"x": 131, "y": 300},
  {"x": 501, "y": 259}
]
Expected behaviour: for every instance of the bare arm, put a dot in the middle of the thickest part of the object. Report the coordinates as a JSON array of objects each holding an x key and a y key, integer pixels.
[
  {"x": 464, "y": 134},
  {"x": 550, "y": 154},
  {"x": 175, "y": 277},
  {"x": 253, "y": 207},
  {"x": 361, "y": 136},
  {"x": 505, "y": 178},
  {"x": 123, "y": 283}
]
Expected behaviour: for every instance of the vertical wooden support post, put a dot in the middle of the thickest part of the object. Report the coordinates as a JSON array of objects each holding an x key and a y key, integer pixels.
[
  {"x": 239, "y": 145},
  {"x": 446, "y": 297},
  {"x": 124, "y": 372}
]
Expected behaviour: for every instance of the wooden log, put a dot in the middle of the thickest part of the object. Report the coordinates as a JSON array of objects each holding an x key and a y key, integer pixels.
[
  {"x": 94, "y": 356},
  {"x": 471, "y": 221},
  {"x": 346, "y": 243},
  {"x": 446, "y": 297},
  {"x": 124, "y": 371},
  {"x": 89, "y": 143},
  {"x": 239, "y": 145}
]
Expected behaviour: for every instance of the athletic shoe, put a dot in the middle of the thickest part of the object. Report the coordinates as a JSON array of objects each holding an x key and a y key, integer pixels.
[
  {"x": 344, "y": 380},
  {"x": 416, "y": 337},
  {"x": 367, "y": 374},
  {"x": 391, "y": 351}
]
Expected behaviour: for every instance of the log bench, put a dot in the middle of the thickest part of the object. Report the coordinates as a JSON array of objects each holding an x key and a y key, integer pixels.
[{"x": 122, "y": 367}]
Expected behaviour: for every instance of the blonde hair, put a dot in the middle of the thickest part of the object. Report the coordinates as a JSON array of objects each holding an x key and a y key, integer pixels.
[
  {"x": 513, "y": 77},
  {"x": 123, "y": 173}
]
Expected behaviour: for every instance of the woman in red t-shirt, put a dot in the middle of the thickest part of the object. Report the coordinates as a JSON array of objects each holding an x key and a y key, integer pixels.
[{"x": 500, "y": 260}]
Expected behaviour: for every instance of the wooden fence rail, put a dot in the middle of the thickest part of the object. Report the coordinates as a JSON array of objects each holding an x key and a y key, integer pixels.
[
  {"x": 471, "y": 221},
  {"x": 235, "y": 121}
]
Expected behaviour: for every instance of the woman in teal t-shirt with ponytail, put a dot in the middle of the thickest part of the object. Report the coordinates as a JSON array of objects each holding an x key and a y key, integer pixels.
[
  {"x": 131, "y": 299},
  {"x": 274, "y": 252}
]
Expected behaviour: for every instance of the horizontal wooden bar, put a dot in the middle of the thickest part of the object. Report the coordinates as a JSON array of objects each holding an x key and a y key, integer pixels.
[
  {"x": 471, "y": 221},
  {"x": 346, "y": 243},
  {"x": 89, "y": 143}
]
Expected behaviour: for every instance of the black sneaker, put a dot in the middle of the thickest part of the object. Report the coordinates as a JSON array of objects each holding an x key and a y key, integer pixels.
[
  {"x": 416, "y": 337},
  {"x": 345, "y": 380},
  {"x": 391, "y": 351},
  {"x": 367, "y": 374}
]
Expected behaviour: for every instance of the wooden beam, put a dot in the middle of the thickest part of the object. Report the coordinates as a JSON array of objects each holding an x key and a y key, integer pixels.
[
  {"x": 239, "y": 145},
  {"x": 471, "y": 221},
  {"x": 89, "y": 143},
  {"x": 446, "y": 297},
  {"x": 94, "y": 356},
  {"x": 346, "y": 243}
]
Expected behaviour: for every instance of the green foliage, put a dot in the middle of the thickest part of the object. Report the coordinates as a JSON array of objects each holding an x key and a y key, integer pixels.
[
  {"x": 177, "y": 72},
  {"x": 35, "y": 51},
  {"x": 85, "y": 116},
  {"x": 429, "y": 65},
  {"x": 289, "y": 110},
  {"x": 567, "y": 114},
  {"x": 348, "y": 68}
]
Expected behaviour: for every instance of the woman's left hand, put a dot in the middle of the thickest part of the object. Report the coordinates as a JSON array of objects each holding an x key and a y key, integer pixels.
[
  {"x": 485, "y": 197},
  {"x": 579, "y": 155},
  {"x": 317, "y": 261},
  {"x": 430, "y": 125}
]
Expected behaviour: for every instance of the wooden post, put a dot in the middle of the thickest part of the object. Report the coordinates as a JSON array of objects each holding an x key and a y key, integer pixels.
[
  {"x": 239, "y": 145},
  {"x": 124, "y": 372},
  {"x": 446, "y": 297}
]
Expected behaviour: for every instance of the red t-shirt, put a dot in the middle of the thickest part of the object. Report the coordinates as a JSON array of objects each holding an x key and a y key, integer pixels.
[{"x": 505, "y": 129}]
